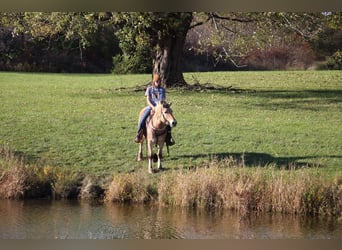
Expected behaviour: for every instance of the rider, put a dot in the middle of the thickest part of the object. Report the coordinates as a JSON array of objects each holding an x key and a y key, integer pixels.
[{"x": 154, "y": 94}]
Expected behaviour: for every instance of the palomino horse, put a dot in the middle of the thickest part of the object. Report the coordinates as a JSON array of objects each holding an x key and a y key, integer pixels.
[{"x": 155, "y": 132}]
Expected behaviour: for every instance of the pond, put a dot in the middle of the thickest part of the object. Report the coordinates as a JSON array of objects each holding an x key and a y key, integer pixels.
[{"x": 43, "y": 219}]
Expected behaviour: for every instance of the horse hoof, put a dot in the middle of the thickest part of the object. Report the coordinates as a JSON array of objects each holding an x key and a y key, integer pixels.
[{"x": 150, "y": 171}]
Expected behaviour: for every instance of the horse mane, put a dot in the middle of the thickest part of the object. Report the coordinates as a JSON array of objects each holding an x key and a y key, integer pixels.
[
  {"x": 165, "y": 104},
  {"x": 159, "y": 108}
]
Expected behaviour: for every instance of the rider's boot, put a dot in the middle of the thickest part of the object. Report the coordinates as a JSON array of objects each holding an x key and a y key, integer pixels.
[
  {"x": 169, "y": 140},
  {"x": 139, "y": 136}
]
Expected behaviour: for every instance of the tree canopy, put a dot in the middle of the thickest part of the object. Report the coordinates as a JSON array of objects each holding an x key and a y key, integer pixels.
[{"x": 156, "y": 41}]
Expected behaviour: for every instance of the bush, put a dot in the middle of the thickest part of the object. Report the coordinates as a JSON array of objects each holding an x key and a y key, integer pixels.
[
  {"x": 335, "y": 61},
  {"x": 281, "y": 58},
  {"x": 272, "y": 59},
  {"x": 138, "y": 63}
]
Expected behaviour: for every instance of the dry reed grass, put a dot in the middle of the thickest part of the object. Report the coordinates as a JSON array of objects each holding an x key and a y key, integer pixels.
[
  {"x": 259, "y": 190},
  {"x": 14, "y": 176},
  {"x": 215, "y": 185},
  {"x": 245, "y": 190},
  {"x": 19, "y": 179},
  {"x": 130, "y": 188}
]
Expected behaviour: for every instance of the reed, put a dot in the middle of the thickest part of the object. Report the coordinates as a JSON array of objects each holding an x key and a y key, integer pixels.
[
  {"x": 20, "y": 180},
  {"x": 217, "y": 184},
  {"x": 260, "y": 190},
  {"x": 131, "y": 188}
]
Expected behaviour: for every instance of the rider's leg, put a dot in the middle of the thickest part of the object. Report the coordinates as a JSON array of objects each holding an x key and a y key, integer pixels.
[{"x": 141, "y": 123}]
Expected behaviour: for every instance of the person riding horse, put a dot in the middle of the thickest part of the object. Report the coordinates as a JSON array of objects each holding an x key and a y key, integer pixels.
[{"x": 154, "y": 94}]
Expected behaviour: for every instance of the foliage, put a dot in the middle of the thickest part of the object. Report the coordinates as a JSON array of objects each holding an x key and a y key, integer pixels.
[
  {"x": 66, "y": 26},
  {"x": 327, "y": 43},
  {"x": 88, "y": 41},
  {"x": 334, "y": 19},
  {"x": 155, "y": 27},
  {"x": 233, "y": 38},
  {"x": 56, "y": 42},
  {"x": 139, "y": 62},
  {"x": 335, "y": 61}
]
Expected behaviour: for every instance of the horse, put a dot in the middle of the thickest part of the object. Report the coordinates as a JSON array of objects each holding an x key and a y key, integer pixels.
[{"x": 155, "y": 132}]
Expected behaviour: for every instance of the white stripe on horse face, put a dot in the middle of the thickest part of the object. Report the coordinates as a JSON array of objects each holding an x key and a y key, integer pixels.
[{"x": 173, "y": 123}]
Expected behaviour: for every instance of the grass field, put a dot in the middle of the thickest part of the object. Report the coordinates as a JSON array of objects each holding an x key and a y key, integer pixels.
[
  {"x": 263, "y": 141},
  {"x": 88, "y": 122}
]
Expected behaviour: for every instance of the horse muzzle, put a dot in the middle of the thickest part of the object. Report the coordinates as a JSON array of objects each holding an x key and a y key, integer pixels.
[{"x": 173, "y": 123}]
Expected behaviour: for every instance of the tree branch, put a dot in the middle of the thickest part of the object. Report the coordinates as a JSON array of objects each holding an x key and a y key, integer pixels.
[
  {"x": 234, "y": 19},
  {"x": 299, "y": 32},
  {"x": 200, "y": 23}
]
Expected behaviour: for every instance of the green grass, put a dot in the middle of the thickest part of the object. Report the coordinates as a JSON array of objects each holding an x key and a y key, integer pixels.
[{"x": 88, "y": 122}]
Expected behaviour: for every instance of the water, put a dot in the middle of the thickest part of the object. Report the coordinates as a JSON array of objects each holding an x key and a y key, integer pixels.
[{"x": 82, "y": 220}]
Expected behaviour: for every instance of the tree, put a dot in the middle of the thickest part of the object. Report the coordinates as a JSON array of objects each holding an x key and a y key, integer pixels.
[{"x": 163, "y": 33}]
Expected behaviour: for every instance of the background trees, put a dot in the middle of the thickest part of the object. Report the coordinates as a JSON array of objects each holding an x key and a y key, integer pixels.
[
  {"x": 56, "y": 42},
  {"x": 264, "y": 41},
  {"x": 168, "y": 43}
]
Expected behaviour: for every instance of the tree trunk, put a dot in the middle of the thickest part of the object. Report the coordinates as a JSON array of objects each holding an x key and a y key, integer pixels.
[{"x": 167, "y": 57}]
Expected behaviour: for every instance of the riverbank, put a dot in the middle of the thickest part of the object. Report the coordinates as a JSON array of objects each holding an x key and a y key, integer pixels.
[{"x": 218, "y": 184}]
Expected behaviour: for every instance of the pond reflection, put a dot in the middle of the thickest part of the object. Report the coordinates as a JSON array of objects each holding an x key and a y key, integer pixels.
[{"x": 83, "y": 220}]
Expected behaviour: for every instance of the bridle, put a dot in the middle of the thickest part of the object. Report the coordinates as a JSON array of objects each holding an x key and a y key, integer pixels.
[
  {"x": 160, "y": 131},
  {"x": 163, "y": 116}
]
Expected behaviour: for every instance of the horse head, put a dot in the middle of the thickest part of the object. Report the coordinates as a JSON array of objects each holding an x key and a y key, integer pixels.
[{"x": 164, "y": 111}]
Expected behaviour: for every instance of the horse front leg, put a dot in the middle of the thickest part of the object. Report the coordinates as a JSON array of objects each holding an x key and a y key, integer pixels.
[
  {"x": 160, "y": 156},
  {"x": 150, "y": 155},
  {"x": 140, "y": 154}
]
